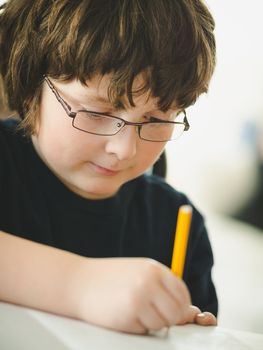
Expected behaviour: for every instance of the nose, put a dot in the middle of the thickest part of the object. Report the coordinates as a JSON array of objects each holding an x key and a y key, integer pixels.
[{"x": 123, "y": 144}]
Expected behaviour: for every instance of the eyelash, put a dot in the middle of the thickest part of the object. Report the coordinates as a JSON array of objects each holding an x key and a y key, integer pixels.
[{"x": 154, "y": 119}]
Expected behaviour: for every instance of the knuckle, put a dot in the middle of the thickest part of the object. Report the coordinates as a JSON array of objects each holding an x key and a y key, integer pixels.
[
  {"x": 128, "y": 318},
  {"x": 147, "y": 278},
  {"x": 173, "y": 318},
  {"x": 156, "y": 326},
  {"x": 151, "y": 269},
  {"x": 181, "y": 317},
  {"x": 134, "y": 301}
]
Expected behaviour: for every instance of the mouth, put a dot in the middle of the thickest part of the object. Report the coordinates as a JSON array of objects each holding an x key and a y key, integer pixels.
[{"x": 104, "y": 171}]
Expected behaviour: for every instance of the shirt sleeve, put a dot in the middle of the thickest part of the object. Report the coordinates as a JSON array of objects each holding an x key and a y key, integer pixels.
[
  {"x": 2, "y": 158},
  {"x": 198, "y": 269}
]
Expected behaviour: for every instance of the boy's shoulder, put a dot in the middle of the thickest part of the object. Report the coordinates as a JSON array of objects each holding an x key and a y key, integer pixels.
[
  {"x": 12, "y": 143},
  {"x": 157, "y": 186},
  {"x": 8, "y": 124},
  {"x": 9, "y": 130},
  {"x": 154, "y": 191}
]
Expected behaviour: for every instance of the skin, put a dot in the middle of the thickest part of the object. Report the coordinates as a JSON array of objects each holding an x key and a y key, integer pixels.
[
  {"x": 81, "y": 160},
  {"x": 145, "y": 295}
]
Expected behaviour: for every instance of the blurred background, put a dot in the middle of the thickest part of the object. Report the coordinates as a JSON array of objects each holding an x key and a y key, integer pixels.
[{"x": 218, "y": 163}]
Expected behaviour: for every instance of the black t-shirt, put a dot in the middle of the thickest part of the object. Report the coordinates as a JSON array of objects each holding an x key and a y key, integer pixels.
[{"x": 139, "y": 221}]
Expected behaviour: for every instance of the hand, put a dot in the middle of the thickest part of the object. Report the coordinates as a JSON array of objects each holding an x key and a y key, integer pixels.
[{"x": 133, "y": 295}]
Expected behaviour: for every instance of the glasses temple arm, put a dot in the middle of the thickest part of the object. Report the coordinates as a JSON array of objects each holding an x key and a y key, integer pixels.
[{"x": 63, "y": 103}]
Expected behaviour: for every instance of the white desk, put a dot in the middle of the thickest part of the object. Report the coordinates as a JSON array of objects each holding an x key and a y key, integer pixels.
[{"x": 26, "y": 329}]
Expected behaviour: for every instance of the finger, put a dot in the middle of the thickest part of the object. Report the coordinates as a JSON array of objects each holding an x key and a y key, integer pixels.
[
  {"x": 136, "y": 327},
  {"x": 151, "y": 319},
  {"x": 205, "y": 319},
  {"x": 168, "y": 306},
  {"x": 190, "y": 315},
  {"x": 176, "y": 287}
]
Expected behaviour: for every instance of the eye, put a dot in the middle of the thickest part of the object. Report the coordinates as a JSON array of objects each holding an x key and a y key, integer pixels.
[
  {"x": 154, "y": 119},
  {"x": 94, "y": 115},
  {"x": 90, "y": 116}
]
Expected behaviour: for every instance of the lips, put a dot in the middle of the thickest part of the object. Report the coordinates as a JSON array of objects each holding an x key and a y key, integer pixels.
[{"x": 104, "y": 171}]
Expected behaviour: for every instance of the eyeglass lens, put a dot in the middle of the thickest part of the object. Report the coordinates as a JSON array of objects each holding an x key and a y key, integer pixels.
[{"x": 106, "y": 125}]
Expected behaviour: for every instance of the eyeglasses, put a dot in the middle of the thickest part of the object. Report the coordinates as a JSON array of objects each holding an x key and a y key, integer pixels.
[{"x": 155, "y": 130}]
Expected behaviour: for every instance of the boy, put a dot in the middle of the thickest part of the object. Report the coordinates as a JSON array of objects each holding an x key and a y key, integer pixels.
[{"x": 100, "y": 87}]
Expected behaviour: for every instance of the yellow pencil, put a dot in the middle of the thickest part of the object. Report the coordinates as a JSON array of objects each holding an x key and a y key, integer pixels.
[{"x": 181, "y": 239}]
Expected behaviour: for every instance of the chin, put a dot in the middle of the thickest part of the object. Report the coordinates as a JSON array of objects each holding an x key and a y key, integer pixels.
[
  {"x": 99, "y": 195},
  {"x": 96, "y": 192}
]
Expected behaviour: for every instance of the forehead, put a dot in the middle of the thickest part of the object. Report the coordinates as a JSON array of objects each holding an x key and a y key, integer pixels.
[{"x": 96, "y": 90}]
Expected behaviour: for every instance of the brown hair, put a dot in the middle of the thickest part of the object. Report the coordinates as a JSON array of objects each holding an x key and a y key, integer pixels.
[{"x": 170, "y": 41}]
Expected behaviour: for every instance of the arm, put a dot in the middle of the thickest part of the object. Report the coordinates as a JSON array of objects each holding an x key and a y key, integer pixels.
[
  {"x": 126, "y": 294},
  {"x": 198, "y": 274},
  {"x": 199, "y": 277},
  {"x": 35, "y": 275}
]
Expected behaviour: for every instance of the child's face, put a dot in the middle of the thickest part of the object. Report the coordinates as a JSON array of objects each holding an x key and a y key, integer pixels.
[{"x": 94, "y": 166}]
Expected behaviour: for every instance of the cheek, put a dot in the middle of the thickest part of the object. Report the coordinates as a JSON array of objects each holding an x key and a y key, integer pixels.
[
  {"x": 67, "y": 146},
  {"x": 150, "y": 153},
  {"x": 56, "y": 142},
  {"x": 59, "y": 143}
]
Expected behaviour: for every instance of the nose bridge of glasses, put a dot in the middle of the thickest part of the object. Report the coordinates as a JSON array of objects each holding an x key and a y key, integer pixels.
[
  {"x": 124, "y": 143},
  {"x": 126, "y": 122},
  {"x": 122, "y": 123}
]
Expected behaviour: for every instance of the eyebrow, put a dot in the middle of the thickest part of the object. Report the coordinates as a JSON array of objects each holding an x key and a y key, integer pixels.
[
  {"x": 101, "y": 99},
  {"x": 106, "y": 101},
  {"x": 96, "y": 99}
]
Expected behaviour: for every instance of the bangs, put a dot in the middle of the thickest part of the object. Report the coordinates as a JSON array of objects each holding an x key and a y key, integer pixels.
[
  {"x": 170, "y": 42},
  {"x": 166, "y": 48}
]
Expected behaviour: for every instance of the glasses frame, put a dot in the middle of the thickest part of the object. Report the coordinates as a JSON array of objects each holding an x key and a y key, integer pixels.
[{"x": 71, "y": 114}]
